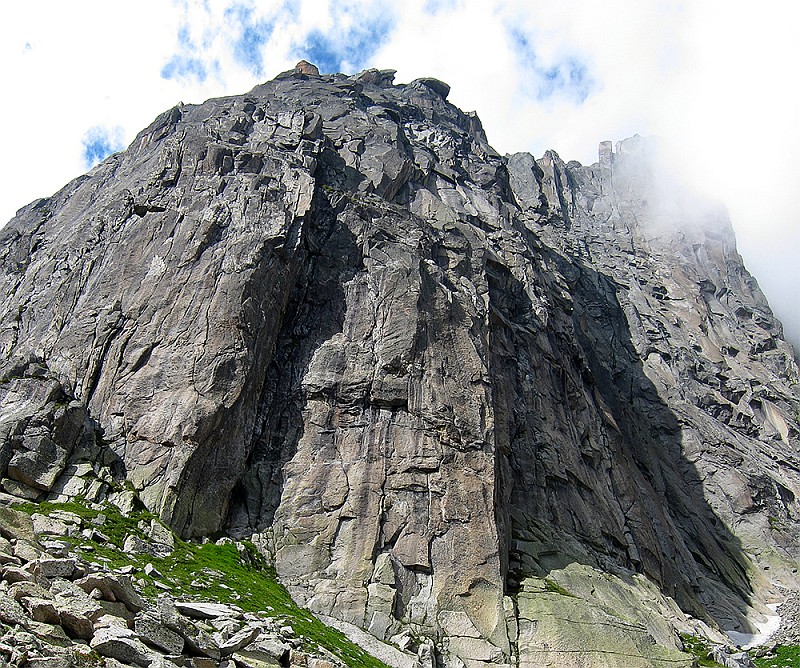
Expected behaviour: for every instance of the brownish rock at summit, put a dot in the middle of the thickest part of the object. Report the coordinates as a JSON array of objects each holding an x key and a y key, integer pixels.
[{"x": 304, "y": 67}]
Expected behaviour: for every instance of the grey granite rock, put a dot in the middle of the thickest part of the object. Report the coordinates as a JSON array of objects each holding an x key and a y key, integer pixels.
[
  {"x": 154, "y": 633},
  {"x": 41, "y": 609},
  {"x": 15, "y": 524},
  {"x": 113, "y": 588},
  {"x": 121, "y": 644},
  {"x": 197, "y": 640},
  {"x": 11, "y": 612},
  {"x": 74, "y": 622},
  {"x": 329, "y": 314},
  {"x": 20, "y": 590},
  {"x": 256, "y": 658},
  {"x": 48, "y": 526},
  {"x": 239, "y": 640},
  {"x": 28, "y": 550},
  {"x": 14, "y": 574},
  {"x": 202, "y": 610},
  {"x": 47, "y": 567},
  {"x": 76, "y": 605}
]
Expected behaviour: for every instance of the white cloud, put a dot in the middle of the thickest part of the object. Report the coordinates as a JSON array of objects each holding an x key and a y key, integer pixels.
[
  {"x": 714, "y": 78},
  {"x": 83, "y": 68},
  {"x": 99, "y": 142}
]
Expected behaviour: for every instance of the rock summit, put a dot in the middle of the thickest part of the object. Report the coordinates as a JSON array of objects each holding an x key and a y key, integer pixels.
[{"x": 487, "y": 409}]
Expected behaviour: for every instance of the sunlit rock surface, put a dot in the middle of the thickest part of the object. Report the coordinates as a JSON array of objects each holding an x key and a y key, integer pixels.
[{"x": 426, "y": 376}]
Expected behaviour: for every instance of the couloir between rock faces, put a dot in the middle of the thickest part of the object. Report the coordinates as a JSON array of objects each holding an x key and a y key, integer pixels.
[{"x": 490, "y": 404}]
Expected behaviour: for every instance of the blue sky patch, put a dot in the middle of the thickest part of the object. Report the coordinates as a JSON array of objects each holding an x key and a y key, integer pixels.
[
  {"x": 253, "y": 35},
  {"x": 567, "y": 78},
  {"x": 436, "y": 6},
  {"x": 320, "y": 50},
  {"x": 184, "y": 37},
  {"x": 99, "y": 142},
  {"x": 353, "y": 46},
  {"x": 362, "y": 44},
  {"x": 186, "y": 64},
  {"x": 181, "y": 66}
]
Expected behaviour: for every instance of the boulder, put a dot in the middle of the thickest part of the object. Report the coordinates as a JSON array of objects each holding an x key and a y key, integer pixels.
[
  {"x": 21, "y": 589},
  {"x": 20, "y": 490},
  {"x": 54, "y": 567},
  {"x": 27, "y": 550},
  {"x": 203, "y": 610},
  {"x": 13, "y": 574},
  {"x": 48, "y": 525},
  {"x": 15, "y": 524},
  {"x": 117, "y": 609},
  {"x": 239, "y": 640},
  {"x": 197, "y": 640},
  {"x": 11, "y": 612},
  {"x": 154, "y": 633},
  {"x": 77, "y": 624},
  {"x": 121, "y": 644},
  {"x": 439, "y": 87},
  {"x": 41, "y": 609},
  {"x": 304, "y": 67},
  {"x": 75, "y": 606},
  {"x": 162, "y": 537},
  {"x": 255, "y": 658},
  {"x": 731, "y": 659},
  {"x": 38, "y": 464},
  {"x": 113, "y": 588}
]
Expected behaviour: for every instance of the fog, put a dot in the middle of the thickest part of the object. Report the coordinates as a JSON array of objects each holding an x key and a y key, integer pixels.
[{"x": 678, "y": 198}]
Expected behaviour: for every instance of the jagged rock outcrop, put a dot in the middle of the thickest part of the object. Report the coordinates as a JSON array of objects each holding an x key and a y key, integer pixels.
[{"x": 427, "y": 376}]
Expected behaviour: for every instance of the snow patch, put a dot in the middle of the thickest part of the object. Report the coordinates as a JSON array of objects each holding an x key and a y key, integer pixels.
[{"x": 765, "y": 630}]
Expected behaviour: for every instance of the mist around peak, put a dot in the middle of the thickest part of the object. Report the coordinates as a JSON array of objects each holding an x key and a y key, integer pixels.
[{"x": 679, "y": 199}]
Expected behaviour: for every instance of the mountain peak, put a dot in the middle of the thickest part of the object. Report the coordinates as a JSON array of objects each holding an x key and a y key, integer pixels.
[
  {"x": 440, "y": 387},
  {"x": 304, "y": 67}
]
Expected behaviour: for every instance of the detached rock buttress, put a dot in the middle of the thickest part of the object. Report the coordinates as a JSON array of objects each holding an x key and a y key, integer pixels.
[{"x": 429, "y": 376}]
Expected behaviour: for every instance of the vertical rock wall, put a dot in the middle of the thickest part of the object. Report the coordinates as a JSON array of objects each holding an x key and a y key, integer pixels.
[{"x": 431, "y": 378}]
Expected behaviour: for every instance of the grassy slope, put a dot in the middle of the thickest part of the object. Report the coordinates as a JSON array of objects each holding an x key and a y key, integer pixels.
[
  {"x": 207, "y": 572},
  {"x": 783, "y": 657}
]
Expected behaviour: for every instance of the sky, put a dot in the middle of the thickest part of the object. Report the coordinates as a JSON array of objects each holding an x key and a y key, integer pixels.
[{"x": 715, "y": 79}]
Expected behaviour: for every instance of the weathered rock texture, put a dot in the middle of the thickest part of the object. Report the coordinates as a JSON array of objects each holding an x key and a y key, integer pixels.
[
  {"x": 62, "y": 612},
  {"x": 428, "y": 375}
]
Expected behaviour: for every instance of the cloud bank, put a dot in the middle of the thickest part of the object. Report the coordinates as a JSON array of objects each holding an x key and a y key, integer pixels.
[{"x": 713, "y": 79}]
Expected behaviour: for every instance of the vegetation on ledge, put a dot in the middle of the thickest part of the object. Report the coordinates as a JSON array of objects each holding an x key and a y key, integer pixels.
[{"x": 220, "y": 573}]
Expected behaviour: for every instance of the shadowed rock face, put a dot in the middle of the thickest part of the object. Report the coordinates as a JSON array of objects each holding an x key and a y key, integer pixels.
[{"x": 328, "y": 312}]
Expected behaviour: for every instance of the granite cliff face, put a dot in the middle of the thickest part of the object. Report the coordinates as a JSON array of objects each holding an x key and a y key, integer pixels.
[{"x": 480, "y": 406}]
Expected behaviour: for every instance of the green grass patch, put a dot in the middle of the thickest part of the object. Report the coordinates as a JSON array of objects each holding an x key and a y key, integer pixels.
[
  {"x": 699, "y": 649},
  {"x": 216, "y": 572},
  {"x": 784, "y": 656},
  {"x": 207, "y": 572},
  {"x": 555, "y": 588},
  {"x": 109, "y": 521}
]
